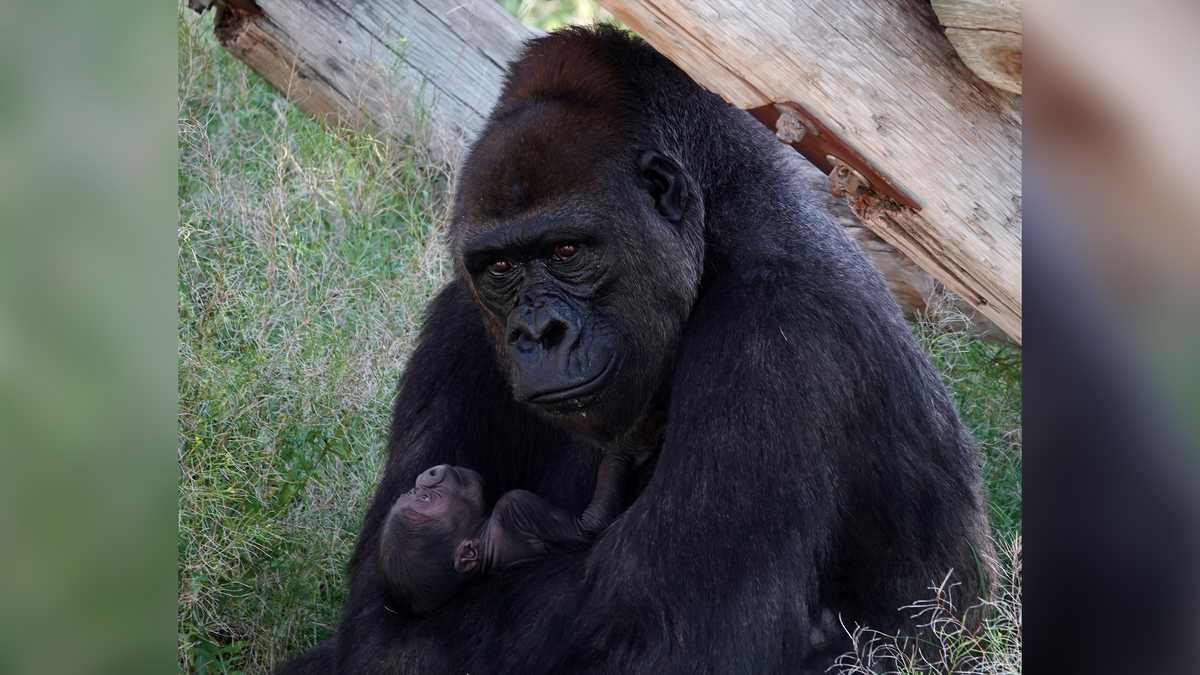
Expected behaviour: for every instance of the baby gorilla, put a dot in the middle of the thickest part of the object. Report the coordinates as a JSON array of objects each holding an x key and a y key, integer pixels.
[{"x": 437, "y": 536}]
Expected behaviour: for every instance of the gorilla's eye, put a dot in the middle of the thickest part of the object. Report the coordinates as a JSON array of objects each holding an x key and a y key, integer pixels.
[
  {"x": 500, "y": 267},
  {"x": 564, "y": 252}
]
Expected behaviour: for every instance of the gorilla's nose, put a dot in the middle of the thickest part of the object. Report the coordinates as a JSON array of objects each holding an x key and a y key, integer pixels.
[
  {"x": 540, "y": 324},
  {"x": 433, "y": 476}
]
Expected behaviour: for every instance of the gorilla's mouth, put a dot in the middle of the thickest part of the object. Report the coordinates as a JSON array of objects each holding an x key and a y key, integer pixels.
[{"x": 576, "y": 391}]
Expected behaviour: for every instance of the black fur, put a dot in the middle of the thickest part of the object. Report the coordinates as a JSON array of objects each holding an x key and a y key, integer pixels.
[{"x": 811, "y": 460}]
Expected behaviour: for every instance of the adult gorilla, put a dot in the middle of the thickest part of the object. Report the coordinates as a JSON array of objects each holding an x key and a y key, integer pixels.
[{"x": 637, "y": 267}]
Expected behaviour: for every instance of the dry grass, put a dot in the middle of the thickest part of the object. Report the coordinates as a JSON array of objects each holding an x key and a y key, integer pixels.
[{"x": 946, "y": 644}]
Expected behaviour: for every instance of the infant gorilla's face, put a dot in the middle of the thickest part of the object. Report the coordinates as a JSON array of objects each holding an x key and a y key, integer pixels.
[{"x": 452, "y": 495}]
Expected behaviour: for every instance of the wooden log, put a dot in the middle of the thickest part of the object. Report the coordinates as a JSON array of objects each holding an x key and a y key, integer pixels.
[
  {"x": 383, "y": 63},
  {"x": 880, "y": 77},
  {"x": 1000, "y": 15},
  {"x": 919, "y": 295},
  {"x": 987, "y": 35},
  {"x": 338, "y": 60}
]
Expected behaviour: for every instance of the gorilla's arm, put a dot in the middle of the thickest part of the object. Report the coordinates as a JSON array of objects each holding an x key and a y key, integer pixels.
[{"x": 524, "y": 527}]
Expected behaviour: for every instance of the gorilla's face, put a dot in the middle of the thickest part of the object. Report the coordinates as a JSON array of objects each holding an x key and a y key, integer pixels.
[
  {"x": 586, "y": 267},
  {"x": 562, "y": 348}
]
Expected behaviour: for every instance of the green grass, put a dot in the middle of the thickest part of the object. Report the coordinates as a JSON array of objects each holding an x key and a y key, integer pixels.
[
  {"x": 984, "y": 379},
  {"x": 306, "y": 257}
]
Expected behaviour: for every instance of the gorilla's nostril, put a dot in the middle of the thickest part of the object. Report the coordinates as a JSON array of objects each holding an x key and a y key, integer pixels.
[{"x": 554, "y": 334}]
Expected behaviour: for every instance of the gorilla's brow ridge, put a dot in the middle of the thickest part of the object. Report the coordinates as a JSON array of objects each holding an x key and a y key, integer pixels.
[{"x": 524, "y": 234}]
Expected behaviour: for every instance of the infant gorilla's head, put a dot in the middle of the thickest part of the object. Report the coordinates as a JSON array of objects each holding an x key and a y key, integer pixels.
[{"x": 429, "y": 544}]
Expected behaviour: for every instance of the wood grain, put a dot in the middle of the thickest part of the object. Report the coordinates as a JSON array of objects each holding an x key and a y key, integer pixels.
[
  {"x": 385, "y": 62},
  {"x": 988, "y": 37},
  {"x": 998, "y": 15}
]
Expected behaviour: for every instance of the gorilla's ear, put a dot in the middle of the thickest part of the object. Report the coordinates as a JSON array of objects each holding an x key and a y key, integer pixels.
[
  {"x": 466, "y": 556},
  {"x": 666, "y": 183}
]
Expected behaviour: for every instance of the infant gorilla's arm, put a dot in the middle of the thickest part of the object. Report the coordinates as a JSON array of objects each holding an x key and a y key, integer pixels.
[{"x": 525, "y": 526}]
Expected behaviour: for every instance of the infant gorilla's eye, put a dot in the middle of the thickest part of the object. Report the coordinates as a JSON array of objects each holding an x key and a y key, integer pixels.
[
  {"x": 564, "y": 252},
  {"x": 500, "y": 267},
  {"x": 424, "y": 497}
]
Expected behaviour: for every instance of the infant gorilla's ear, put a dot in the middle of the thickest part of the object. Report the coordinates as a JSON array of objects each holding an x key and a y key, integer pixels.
[{"x": 466, "y": 556}]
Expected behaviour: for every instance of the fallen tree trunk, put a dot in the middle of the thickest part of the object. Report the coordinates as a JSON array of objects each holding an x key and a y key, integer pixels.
[
  {"x": 384, "y": 63},
  {"x": 935, "y": 152}
]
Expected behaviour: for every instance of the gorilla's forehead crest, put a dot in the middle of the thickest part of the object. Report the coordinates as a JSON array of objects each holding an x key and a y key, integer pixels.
[
  {"x": 541, "y": 151},
  {"x": 560, "y": 123}
]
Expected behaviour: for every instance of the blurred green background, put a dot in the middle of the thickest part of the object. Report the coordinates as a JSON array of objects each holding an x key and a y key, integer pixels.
[{"x": 88, "y": 212}]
